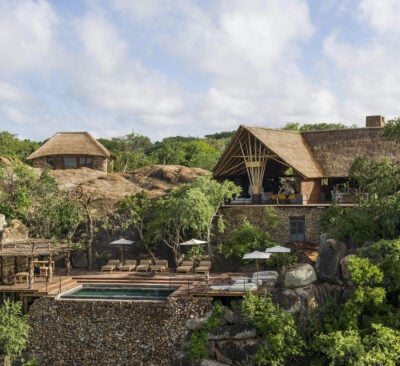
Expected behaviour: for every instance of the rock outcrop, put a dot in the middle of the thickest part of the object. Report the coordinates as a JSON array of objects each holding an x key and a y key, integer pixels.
[
  {"x": 300, "y": 275},
  {"x": 330, "y": 253}
]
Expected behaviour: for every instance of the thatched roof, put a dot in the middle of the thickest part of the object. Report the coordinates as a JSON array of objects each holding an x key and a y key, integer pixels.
[
  {"x": 313, "y": 154},
  {"x": 336, "y": 150},
  {"x": 70, "y": 144},
  {"x": 32, "y": 247}
]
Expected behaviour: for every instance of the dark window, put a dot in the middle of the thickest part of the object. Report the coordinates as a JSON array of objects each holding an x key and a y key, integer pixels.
[
  {"x": 70, "y": 162},
  {"x": 297, "y": 230}
]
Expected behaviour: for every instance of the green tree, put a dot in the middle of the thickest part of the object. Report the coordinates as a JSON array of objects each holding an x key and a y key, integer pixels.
[
  {"x": 133, "y": 214},
  {"x": 12, "y": 147},
  {"x": 391, "y": 129},
  {"x": 14, "y": 329},
  {"x": 248, "y": 237},
  {"x": 189, "y": 210},
  {"x": 130, "y": 151},
  {"x": 280, "y": 340}
]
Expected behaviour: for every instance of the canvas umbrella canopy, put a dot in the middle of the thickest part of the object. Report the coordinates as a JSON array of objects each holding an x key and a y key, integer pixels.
[
  {"x": 257, "y": 255},
  {"x": 278, "y": 249},
  {"x": 121, "y": 242},
  {"x": 193, "y": 242}
]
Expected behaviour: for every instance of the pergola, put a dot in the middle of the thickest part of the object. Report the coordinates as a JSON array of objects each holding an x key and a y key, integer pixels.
[{"x": 33, "y": 248}]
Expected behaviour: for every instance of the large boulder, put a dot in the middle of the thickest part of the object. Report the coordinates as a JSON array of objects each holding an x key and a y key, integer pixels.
[
  {"x": 234, "y": 352},
  {"x": 288, "y": 300},
  {"x": 16, "y": 231},
  {"x": 330, "y": 253},
  {"x": 300, "y": 275},
  {"x": 79, "y": 259}
]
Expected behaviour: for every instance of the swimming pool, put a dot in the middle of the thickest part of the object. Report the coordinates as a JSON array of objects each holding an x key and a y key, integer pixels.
[{"x": 119, "y": 292}]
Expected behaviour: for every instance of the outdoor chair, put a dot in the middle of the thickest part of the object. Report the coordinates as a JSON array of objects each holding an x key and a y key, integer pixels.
[
  {"x": 130, "y": 265},
  {"x": 143, "y": 266},
  {"x": 160, "y": 265},
  {"x": 185, "y": 266},
  {"x": 21, "y": 277},
  {"x": 203, "y": 267},
  {"x": 112, "y": 265}
]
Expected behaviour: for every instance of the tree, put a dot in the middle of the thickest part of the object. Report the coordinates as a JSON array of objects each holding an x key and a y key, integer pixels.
[
  {"x": 133, "y": 215},
  {"x": 244, "y": 239},
  {"x": 130, "y": 151},
  {"x": 189, "y": 210},
  {"x": 12, "y": 147},
  {"x": 14, "y": 329},
  {"x": 87, "y": 201}
]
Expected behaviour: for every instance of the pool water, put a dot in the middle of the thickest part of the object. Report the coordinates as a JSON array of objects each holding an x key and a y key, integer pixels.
[{"x": 119, "y": 292}]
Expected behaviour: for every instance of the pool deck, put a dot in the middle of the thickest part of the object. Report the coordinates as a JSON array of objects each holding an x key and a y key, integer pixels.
[{"x": 189, "y": 284}]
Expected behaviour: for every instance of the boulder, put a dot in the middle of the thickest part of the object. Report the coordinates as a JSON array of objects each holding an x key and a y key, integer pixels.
[
  {"x": 288, "y": 300},
  {"x": 195, "y": 324},
  {"x": 300, "y": 275},
  {"x": 79, "y": 259},
  {"x": 238, "y": 352},
  {"x": 330, "y": 253},
  {"x": 307, "y": 297},
  {"x": 236, "y": 331},
  {"x": 16, "y": 231}
]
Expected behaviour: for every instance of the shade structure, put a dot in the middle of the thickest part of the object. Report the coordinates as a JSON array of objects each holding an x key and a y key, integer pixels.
[
  {"x": 193, "y": 242},
  {"x": 257, "y": 255},
  {"x": 278, "y": 249},
  {"x": 122, "y": 242}
]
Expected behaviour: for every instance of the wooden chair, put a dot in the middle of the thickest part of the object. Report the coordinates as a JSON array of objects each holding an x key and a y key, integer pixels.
[
  {"x": 130, "y": 265},
  {"x": 112, "y": 265},
  {"x": 185, "y": 266},
  {"x": 144, "y": 265},
  {"x": 203, "y": 267},
  {"x": 160, "y": 265}
]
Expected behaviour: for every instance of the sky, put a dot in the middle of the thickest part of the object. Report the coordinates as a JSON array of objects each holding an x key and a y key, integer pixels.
[{"x": 163, "y": 68}]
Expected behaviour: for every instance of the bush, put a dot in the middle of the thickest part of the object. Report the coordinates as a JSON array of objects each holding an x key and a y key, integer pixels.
[
  {"x": 280, "y": 339},
  {"x": 14, "y": 329}
]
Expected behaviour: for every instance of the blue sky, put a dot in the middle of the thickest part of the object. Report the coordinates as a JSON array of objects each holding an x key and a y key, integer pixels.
[{"x": 194, "y": 67}]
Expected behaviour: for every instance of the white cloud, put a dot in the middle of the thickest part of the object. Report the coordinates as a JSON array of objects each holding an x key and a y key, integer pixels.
[{"x": 26, "y": 35}]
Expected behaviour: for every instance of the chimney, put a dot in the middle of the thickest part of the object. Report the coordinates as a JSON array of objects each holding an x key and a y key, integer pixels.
[{"x": 375, "y": 121}]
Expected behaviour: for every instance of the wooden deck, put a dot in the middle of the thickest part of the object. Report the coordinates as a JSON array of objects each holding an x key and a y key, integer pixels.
[{"x": 189, "y": 284}]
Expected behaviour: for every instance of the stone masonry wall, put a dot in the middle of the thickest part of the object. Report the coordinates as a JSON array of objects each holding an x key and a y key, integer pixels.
[
  {"x": 233, "y": 217},
  {"x": 123, "y": 333}
]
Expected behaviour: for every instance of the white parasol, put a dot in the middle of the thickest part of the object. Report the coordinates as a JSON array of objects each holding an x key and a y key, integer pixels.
[
  {"x": 193, "y": 242},
  {"x": 278, "y": 249}
]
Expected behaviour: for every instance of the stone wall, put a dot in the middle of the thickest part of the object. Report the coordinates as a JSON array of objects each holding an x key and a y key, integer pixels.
[
  {"x": 110, "y": 332},
  {"x": 233, "y": 217}
]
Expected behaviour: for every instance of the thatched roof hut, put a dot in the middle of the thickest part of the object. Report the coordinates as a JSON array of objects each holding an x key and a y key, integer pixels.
[
  {"x": 257, "y": 156},
  {"x": 69, "y": 150}
]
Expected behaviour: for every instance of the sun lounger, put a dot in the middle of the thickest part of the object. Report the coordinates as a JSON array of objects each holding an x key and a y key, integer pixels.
[
  {"x": 160, "y": 265},
  {"x": 130, "y": 265},
  {"x": 143, "y": 266},
  {"x": 112, "y": 265},
  {"x": 204, "y": 267},
  {"x": 265, "y": 277},
  {"x": 185, "y": 266}
]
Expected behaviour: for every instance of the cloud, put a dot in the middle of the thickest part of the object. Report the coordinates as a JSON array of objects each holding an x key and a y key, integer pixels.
[
  {"x": 26, "y": 36},
  {"x": 367, "y": 73}
]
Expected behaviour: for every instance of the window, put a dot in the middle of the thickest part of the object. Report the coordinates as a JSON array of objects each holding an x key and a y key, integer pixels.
[
  {"x": 297, "y": 230},
  {"x": 70, "y": 162}
]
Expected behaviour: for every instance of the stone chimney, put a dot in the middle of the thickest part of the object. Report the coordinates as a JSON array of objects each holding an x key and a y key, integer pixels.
[{"x": 375, "y": 121}]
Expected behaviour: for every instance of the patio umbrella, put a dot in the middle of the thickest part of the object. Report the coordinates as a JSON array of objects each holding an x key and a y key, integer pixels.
[
  {"x": 121, "y": 242},
  {"x": 256, "y": 255},
  {"x": 278, "y": 249},
  {"x": 193, "y": 242}
]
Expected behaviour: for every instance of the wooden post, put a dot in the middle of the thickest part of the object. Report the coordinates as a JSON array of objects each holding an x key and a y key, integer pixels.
[{"x": 31, "y": 273}]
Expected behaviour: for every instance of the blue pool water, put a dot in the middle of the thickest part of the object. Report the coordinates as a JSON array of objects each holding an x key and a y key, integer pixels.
[{"x": 119, "y": 292}]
